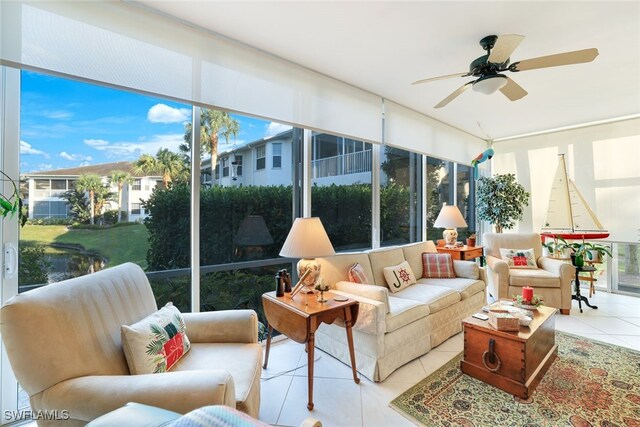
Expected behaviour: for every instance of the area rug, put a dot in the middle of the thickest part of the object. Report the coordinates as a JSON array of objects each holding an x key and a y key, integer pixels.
[{"x": 590, "y": 384}]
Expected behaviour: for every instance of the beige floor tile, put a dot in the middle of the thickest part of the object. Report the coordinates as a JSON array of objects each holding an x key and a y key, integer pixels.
[
  {"x": 455, "y": 343},
  {"x": 375, "y": 404},
  {"x": 326, "y": 366},
  {"x": 612, "y": 325},
  {"x": 337, "y": 403},
  {"x": 411, "y": 372},
  {"x": 284, "y": 357},
  {"x": 272, "y": 395}
]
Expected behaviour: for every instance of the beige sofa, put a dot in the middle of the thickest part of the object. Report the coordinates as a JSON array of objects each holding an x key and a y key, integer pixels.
[
  {"x": 395, "y": 328},
  {"x": 64, "y": 344},
  {"x": 552, "y": 279}
]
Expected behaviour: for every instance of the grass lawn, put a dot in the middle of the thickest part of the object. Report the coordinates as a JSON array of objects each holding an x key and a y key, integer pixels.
[{"x": 118, "y": 245}]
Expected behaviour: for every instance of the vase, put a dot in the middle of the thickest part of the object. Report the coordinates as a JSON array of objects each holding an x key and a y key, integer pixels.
[
  {"x": 577, "y": 260},
  {"x": 471, "y": 242}
]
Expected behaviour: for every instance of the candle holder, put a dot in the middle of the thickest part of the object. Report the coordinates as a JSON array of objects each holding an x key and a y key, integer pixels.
[{"x": 322, "y": 288}]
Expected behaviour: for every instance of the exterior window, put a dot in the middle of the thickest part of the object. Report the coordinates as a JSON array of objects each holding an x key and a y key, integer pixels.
[
  {"x": 225, "y": 167},
  {"x": 261, "y": 155},
  {"x": 216, "y": 174},
  {"x": 239, "y": 165},
  {"x": 137, "y": 184},
  {"x": 277, "y": 154},
  {"x": 58, "y": 184},
  {"x": 42, "y": 184},
  {"x": 136, "y": 209},
  {"x": 159, "y": 184}
]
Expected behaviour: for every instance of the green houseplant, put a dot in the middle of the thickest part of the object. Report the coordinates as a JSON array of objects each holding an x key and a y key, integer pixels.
[
  {"x": 500, "y": 200},
  {"x": 590, "y": 251}
]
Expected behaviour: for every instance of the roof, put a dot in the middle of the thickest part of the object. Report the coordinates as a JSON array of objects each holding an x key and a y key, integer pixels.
[{"x": 103, "y": 169}]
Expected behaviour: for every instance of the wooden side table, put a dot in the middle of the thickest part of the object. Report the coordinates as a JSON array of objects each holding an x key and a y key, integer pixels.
[
  {"x": 462, "y": 253},
  {"x": 300, "y": 317}
]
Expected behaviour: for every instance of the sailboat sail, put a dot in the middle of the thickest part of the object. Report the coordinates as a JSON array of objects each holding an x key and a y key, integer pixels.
[{"x": 568, "y": 214}]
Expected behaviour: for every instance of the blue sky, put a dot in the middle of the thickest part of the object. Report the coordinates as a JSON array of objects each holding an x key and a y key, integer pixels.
[{"x": 64, "y": 124}]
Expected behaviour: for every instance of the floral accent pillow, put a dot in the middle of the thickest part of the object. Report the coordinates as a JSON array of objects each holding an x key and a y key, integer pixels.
[
  {"x": 437, "y": 266},
  {"x": 357, "y": 274},
  {"x": 399, "y": 276},
  {"x": 519, "y": 258},
  {"x": 155, "y": 343}
]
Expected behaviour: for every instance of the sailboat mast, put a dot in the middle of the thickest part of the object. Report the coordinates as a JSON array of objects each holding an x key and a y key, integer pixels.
[{"x": 566, "y": 183}]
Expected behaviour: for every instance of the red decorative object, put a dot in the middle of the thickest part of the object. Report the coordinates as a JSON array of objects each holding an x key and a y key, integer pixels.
[{"x": 527, "y": 294}]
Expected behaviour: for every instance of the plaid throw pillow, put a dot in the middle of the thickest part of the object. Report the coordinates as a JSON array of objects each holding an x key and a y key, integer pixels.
[
  {"x": 437, "y": 266},
  {"x": 357, "y": 274}
]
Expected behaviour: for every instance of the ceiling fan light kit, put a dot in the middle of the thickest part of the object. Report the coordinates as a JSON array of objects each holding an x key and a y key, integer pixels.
[
  {"x": 487, "y": 68},
  {"x": 490, "y": 84}
]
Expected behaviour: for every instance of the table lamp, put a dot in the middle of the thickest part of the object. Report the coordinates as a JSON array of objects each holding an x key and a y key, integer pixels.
[
  {"x": 449, "y": 218},
  {"x": 307, "y": 240}
]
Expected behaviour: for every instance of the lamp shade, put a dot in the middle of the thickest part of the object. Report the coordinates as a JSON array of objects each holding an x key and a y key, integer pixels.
[
  {"x": 307, "y": 239},
  {"x": 253, "y": 232},
  {"x": 490, "y": 84},
  {"x": 449, "y": 217}
]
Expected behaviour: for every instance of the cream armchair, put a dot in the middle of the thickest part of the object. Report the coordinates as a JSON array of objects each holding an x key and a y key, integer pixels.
[
  {"x": 63, "y": 342},
  {"x": 552, "y": 279}
]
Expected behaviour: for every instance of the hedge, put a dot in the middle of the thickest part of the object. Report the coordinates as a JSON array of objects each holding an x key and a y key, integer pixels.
[{"x": 344, "y": 210}]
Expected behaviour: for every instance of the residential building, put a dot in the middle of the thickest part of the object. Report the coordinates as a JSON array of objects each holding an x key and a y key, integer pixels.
[{"x": 45, "y": 189}]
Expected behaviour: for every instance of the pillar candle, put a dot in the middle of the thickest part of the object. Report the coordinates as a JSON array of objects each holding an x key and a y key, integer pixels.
[{"x": 527, "y": 293}]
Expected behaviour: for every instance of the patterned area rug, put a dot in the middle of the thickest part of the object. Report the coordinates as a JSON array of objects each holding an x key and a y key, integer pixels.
[{"x": 589, "y": 384}]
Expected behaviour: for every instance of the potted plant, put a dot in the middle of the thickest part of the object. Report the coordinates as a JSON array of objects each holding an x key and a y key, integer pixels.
[
  {"x": 500, "y": 200},
  {"x": 592, "y": 252},
  {"x": 471, "y": 240},
  {"x": 557, "y": 248}
]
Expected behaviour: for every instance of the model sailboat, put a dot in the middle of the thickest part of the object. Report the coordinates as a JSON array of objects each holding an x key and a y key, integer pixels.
[{"x": 568, "y": 214}]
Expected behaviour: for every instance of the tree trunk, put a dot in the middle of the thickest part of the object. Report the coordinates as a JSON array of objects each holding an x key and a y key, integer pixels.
[
  {"x": 214, "y": 150},
  {"x": 498, "y": 228},
  {"x": 631, "y": 260},
  {"x": 120, "y": 202},
  {"x": 91, "y": 213}
]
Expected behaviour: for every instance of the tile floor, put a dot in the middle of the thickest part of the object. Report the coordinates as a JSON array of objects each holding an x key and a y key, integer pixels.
[{"x": 341, "y": 402}]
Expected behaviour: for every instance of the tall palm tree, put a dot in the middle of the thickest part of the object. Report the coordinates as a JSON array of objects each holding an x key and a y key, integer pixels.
[
  {"x": 212, "y": 124},
  {"x": 120, "y": 178},
  {"x": 90, "y": 183},
  {"x": 170, "y": 165}
]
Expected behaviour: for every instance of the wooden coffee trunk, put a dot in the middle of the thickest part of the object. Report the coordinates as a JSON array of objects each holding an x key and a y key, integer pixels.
[{"x": 520, "y": 358}]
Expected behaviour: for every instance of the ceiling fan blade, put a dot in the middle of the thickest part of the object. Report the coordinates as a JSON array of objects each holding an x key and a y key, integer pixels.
[
  {"x": 432, "y": 79},
  {"x": 504, "y": 47},
  {"x": 567, "y": 58},
  {"x": 513, "y": 90},
  {"x": 454, "y": 95}
]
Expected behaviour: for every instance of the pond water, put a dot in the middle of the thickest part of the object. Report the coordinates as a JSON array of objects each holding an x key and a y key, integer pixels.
[{"x": 69, "y": 263}]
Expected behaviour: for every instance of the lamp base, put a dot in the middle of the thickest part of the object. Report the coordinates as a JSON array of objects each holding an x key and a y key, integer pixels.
[
  {"x": 450, "y": 236},
  {"x": 310, "y": 281}
]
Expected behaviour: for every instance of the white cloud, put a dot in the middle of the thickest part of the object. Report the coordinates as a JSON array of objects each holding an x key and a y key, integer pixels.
[
  {"x": 44, "y": 167},
  {"x": 96, "y": 142},
  {"x": 275, "y": 128},
  {"x": 132, "y": 150},
  {"x": 57, "y": 114},
  {"x": 161, "y": 113},
  {"x": 26, "y": 148},
  {"x": 84, "y": 164},
  {"x": 74, "y": 157}
]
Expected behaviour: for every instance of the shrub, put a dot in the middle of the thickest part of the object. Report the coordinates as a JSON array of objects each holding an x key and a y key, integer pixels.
[{"x": 33, "y": 267}]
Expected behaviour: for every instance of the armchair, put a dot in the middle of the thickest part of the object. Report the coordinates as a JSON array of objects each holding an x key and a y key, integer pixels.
[
  {"x": 552, "y": 278},
  {"x": 64, "y": 345}
]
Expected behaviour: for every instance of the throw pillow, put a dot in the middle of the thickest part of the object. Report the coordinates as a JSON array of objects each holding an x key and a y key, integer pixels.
[
  {"x": 357, "y": 274},
  {"x": 519, "y": 258},
  {"x": 399, "y": 276},
  {"x": 155, "y": 343},
  {"x": 437, "y": 266}
]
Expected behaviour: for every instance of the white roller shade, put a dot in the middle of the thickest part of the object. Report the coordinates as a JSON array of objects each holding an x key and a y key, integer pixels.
[
  {"x": 413, "y": 131},
  {"x": 123, "y": 45}
]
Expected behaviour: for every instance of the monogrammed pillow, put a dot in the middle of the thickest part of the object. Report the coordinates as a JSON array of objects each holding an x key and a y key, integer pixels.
[{"x": 399, "y": 276}]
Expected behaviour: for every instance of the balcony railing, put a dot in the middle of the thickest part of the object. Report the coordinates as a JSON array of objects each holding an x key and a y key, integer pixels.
[{"x": 342, "y": 165}]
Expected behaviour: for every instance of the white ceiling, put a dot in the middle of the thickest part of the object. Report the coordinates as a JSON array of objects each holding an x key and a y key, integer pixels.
[{"x": 383, "y": 46}]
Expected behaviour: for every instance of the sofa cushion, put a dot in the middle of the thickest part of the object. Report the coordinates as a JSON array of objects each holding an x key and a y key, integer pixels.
[
  {"x": 357, "y": 274},
  {"x": 535, "y": 278},
  {"x": 335, "y": 268},
  {"x": 436, "y": 297},
  {"x": 403, "y": 311},
  {"x": 413, "y": 254},
  {"x": 381, "y": 258},
  {"x": 466, "y": 269},
  {"x": 399, "y": 276},
  {"x": 155, "y": 343},
  {"x": 519, "y": 258},
  {"x": 437, "y": 266},
  {"x": 466, "y": 287}
]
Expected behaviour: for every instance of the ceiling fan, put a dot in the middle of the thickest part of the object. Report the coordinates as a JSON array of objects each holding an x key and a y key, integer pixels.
[{"x": 487, "y": 68}]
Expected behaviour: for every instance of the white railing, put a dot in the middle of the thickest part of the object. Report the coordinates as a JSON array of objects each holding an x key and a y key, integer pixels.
[{"x": 342, "y": 165}]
